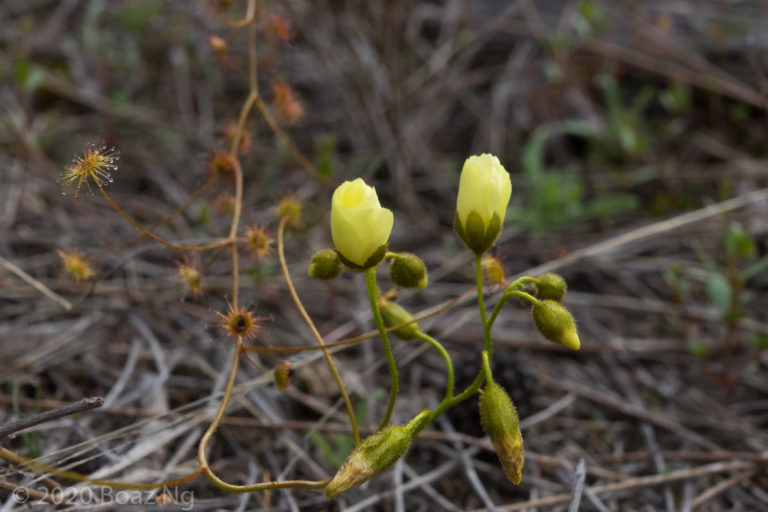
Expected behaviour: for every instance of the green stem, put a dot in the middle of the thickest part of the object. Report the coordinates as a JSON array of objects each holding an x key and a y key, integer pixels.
[
  {"x": 373, "y": 295},
  {"x": 507, "y": 294},
  {"x": 487, "y": 367},
  {"x": 487, "y": 353},
  {"x": 448, "y": 362}
]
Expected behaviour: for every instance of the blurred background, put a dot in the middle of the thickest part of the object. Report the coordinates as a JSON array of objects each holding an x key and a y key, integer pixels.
[{"x": 635, "y": 135}]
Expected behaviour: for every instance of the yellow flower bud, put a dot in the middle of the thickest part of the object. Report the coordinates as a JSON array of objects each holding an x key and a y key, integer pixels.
[
  {"x": 394, "y": 314},
  {"x": 360, "y": 227},
  {"x": 408, "y": 270},
  {"x": 555, "y": 323},
  {"x": 484, "y": 191},
  {"x": 499, "y": 418},
  {"x": 551, "y": 286},
  {"x": 375, "y": 455}
]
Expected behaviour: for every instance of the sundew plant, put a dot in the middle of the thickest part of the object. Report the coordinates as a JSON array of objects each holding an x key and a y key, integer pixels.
[{"x": 360, "y": 229}]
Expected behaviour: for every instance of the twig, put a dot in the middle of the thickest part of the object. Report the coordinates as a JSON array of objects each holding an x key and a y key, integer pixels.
[
  {"x": 37, "y": 285},
  {"x": 85, "y": 404},
  {"x": 633, "y": 483}
]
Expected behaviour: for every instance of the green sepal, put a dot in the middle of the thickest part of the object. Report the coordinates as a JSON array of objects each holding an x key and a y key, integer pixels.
[
  {"x": 475, "y": 234},
  {"x": 376, "y": 258}
]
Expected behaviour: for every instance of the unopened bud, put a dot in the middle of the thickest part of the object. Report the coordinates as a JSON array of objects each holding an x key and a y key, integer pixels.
[
  {"x": 551, "y": 286},
  {"x": 394, "y": 314},
  {"x": 376, "y": 454},
  {"x": 408, "y": 270},
  {"x": 555, "y": 323},
  {"x": 282, "y": 375},
  {"x": 325, "y": 264},
  {"x": 500, "y": 422}
]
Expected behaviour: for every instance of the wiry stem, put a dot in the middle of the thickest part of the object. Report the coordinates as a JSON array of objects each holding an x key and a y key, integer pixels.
[
  {"x": 373, "y": 296},
  {"x": 315, "y": 332},
  {"x": 191, "y": 248}
]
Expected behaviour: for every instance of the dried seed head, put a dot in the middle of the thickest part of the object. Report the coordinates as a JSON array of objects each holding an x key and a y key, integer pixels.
[
  {"x": 224, "y": 203},
  {"x": 493, "y": 271},
  {"x": 282, "y": 375},
  {"x": 94, "y": 163},
  {"x": 277, "y": 27},
  {"x": 245, "y": 137},
  {"x": 289, "y": 108},
  {"x": 289, "y": 209},
  {"x": 191, "y": 277},
  {"x": 218, "y": 46},
  {"x": 75, "y": 265},
  {"x": 240, "y": 322},
  {"x": 222, "y": 165},
  {"x": 259, "y": 241}
]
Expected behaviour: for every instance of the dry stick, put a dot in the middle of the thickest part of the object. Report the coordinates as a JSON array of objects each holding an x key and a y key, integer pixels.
[
  {"x": 723, "y": 486},
  {"x": 37, "y": 285},
  {"x": 250, "y": 14},
  {"x": 202, "y": 458},
  {"x": 85, "y": 404},
  {"x": 292, "y": 149},
  {"x": 194, "y": 197},
  {"x": 191, "y": 248},
  {"x": 315, "y": 332},
  {"x": 654, "y": 229},
  {"x": 633, "y": 483},
  {"x": 79, "y": 477}
]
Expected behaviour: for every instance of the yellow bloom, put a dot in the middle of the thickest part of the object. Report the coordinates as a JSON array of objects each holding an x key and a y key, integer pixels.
[
  {"x": 360, "y": 227},
  {"x": 484, "y": 190}
]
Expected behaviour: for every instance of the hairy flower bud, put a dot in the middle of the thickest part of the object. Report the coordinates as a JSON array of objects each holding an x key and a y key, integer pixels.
[
  {"x": 484, "y": 191},
  {"x": 499, "y": 419},
  {"x": 325, "y": 264},
  {"x": 551, "y": 286},
  {"x": 375, "y": 455},
  {"x": 360, "y": 227},
  {"x": 555, "y": 323},
  {"x": 394, "y": 314},
  {"x": 408, "y": 270}
]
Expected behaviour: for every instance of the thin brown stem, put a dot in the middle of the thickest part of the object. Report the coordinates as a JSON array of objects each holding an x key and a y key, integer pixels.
[
  {"x": 292, "y": 149},
  {"x": 315, "y": 332},
  {"x": 78, "y": 477},
  {"x": 194, "y": 197},
  {"x": 250, "y": 15},
  {"x": 85, "y": 404},
  {"x": 145, "y": 232}
]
